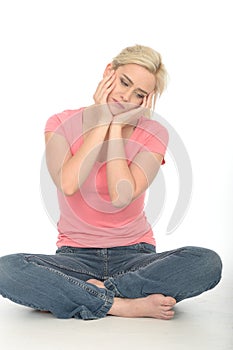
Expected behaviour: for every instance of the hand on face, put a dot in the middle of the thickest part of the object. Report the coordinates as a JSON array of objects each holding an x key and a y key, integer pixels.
[
  {"x": 100, "y": 113},
  {"x": 122, "y": 112},
  {"x": 147, "y": 101},
  {"x": 104, "y": 88}
]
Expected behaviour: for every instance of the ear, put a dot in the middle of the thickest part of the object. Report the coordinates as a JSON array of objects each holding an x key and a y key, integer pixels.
[{"x": 107, "y": 70}]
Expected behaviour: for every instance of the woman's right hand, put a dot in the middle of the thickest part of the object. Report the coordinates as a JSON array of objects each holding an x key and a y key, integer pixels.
[
  {"x": 100, "y": 112},
  {"x": 104, "y": 88}
]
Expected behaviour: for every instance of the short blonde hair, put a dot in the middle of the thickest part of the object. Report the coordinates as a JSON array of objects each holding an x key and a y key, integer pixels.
[{"x": 146, "y": 57}]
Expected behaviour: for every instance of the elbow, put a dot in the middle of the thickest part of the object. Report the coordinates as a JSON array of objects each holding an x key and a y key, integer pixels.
[
  {"x": 119, "y": 204},
  {"x": 68, "y": 189},
  {"x": 123, "y": 195},
  {"x": 66, "y": 185},
  {"x": 121, "y": 201}
]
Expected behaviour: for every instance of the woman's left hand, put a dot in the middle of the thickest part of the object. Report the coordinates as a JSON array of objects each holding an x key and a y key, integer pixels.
[{"x": 147, "y": 101}]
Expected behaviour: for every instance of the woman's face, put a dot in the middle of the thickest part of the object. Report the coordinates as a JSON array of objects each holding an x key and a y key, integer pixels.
[{"x": 132, "y": 84}]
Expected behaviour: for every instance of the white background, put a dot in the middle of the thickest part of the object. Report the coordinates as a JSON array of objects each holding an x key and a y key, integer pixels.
[{"x": 53, "y": 54}]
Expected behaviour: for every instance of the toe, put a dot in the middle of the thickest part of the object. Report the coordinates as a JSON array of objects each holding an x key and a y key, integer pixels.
[{"x": 169, "y": 301}]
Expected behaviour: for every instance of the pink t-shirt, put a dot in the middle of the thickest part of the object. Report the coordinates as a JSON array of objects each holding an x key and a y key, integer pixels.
[{"x": 87, "y": 218}]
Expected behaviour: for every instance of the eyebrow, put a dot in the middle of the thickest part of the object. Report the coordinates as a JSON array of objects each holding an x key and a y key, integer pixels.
[{"x": 131, "y": 82}]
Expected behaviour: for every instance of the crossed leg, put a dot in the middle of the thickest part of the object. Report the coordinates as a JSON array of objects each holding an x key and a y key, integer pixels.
[{"x": 154, "y": 306}]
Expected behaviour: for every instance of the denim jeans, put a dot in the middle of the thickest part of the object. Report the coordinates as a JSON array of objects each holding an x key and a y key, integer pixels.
[{"x": 57, "y": 283}]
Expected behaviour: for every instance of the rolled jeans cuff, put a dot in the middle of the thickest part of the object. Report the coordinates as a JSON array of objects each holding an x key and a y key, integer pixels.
[
  {"x": 108, "y": 302},
  {"x": 109, "y": 284}
]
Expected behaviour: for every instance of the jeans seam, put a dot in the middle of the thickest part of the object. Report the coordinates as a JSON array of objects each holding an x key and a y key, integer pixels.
[
  {"x": 54, "y": 264},
  {"x": 20, "y": 302},
  {"x": 77, "y": 282},
  {"x": 109, "y": 299},
  {"x": 62, "y": 267},
  {"x": 134, "y": 269}
]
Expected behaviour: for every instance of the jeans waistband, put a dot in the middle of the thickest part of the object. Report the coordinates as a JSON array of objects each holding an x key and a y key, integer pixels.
[{"x": 139, "y": 247}]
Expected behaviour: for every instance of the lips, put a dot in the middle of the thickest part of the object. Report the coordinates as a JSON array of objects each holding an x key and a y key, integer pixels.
[{"x": 118, "y": 104}]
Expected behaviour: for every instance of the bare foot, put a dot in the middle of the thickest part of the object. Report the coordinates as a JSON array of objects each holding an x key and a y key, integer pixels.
[
  {"x": 155, "y": 305},
  {"x": 96, "y": 283}
]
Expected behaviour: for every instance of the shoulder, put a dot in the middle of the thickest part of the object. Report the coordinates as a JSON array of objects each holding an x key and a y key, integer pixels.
[
  {"x": 59, "y": 119},
  {"x": 152, "y": 128}
]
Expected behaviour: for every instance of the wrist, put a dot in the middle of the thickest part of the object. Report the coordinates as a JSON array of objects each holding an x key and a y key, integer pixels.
[
  {"x": 115, "y": 130},
  {"x": 102, "y": 114}
]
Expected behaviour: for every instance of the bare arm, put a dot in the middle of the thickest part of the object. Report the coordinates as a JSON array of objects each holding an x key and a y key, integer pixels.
[
  {"x": 127, "y": 182},
  {"x": 70, "y": 171}
]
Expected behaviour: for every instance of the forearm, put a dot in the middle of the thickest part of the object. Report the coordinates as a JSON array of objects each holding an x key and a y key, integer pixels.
[
  {"x": 75, "y": 170},
  {"x": 121, "y": 184}
]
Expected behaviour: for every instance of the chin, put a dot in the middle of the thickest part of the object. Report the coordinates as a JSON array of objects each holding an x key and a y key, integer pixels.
[
  {"x": 115, "y": 109},
  {"x": 118, "y": 108}
]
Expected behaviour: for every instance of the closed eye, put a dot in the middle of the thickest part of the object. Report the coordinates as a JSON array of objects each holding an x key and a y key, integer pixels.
[
  {"x": 124, "y": 82},
  {"x": 140, "y": 95}
]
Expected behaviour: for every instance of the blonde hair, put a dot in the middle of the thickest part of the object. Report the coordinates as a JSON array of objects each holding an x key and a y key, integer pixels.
[{"x": 145, "y": 57}]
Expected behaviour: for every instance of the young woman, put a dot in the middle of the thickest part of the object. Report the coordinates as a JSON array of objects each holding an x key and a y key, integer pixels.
[{"x": 102, "y": 159}]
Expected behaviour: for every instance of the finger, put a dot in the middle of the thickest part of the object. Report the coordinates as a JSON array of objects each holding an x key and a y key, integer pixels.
[
  {"x": 104, "y": 88},
  {"x": 144, "y": 102},
  {"x": 105, "y": 83},
  {"x": 105, "y": 92},
  {"x": 150, "y": 99},
  {"x": 107, "y": 80},
  {"x": 109, "y": 84}
]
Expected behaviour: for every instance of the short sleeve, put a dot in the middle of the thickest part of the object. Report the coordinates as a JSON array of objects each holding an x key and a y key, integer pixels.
[
  {"x": 154, "y": 137},
  {"x": 67, "y": 124},
  {"x": 157, "y": 142},
  {"x": 52, "y": 123}
]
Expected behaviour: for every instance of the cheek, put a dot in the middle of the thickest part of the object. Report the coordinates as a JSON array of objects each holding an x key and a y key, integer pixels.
[{"x": 136, "y": 101}]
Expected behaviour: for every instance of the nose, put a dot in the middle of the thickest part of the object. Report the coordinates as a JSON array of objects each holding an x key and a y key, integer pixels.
[{"x": 125, "y": 96}]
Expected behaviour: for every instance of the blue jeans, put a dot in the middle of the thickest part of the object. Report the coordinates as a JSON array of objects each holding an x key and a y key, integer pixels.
[{"x": 57, "y": 283}]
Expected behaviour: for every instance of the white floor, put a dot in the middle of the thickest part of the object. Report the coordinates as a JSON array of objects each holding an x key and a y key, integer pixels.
[{"x": 202, "y": 323}]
